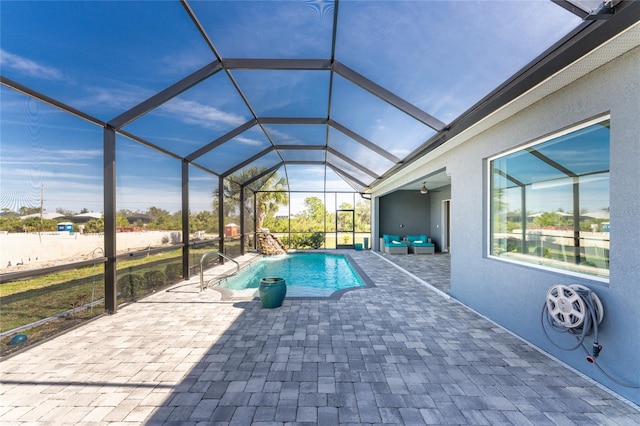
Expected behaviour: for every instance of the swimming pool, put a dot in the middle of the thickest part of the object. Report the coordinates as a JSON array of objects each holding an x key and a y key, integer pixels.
[{"x": 306, "y": 274}]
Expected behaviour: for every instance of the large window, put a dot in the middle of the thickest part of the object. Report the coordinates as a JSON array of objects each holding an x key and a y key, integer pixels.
[{"x": 549, "y": 201}]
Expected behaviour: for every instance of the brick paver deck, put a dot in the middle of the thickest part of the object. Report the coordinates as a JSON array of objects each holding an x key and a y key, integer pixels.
[{"x": 397, "y": 353}]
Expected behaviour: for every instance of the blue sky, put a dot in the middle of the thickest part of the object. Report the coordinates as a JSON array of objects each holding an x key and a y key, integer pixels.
[
  {"x": 104, "y": 58},
  {"x": 584, "y": 152}
]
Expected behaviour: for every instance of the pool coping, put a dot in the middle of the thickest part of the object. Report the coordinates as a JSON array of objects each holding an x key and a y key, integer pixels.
[{"x": 229, "y": 295}]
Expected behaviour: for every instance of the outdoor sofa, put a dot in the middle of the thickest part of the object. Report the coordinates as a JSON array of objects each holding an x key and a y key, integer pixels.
[
  {"x": 392, "y": 244},
  {"x": 420, "y": 244}
]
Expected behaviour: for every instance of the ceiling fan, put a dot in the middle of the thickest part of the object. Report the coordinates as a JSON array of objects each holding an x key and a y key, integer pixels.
[{"x": 424, "y": 189}]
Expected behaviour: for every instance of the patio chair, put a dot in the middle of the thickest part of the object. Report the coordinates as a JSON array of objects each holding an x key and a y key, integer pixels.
[
  {"x": 393, "y": 244},
  {"x": 421, "y": 244}
]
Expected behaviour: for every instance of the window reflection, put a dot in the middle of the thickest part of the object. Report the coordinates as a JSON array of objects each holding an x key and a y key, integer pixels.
[{"x": 550, "y": 202}]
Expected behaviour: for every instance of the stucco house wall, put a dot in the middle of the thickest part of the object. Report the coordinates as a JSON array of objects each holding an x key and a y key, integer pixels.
[{"x": 512, "y": 294}]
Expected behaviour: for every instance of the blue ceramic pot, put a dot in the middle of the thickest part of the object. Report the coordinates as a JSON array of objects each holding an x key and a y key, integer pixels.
[{"x": 272, "y": 291}]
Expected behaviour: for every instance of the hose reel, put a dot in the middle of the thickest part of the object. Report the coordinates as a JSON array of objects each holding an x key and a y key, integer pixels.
[
  {"x": 567, "y": 306},
  {"x": 576, "y": 310}
]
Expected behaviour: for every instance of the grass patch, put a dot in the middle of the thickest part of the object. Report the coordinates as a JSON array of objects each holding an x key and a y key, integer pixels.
[
  {"x": 31, "y": 300},
  {"x": 28, "y": 301}
]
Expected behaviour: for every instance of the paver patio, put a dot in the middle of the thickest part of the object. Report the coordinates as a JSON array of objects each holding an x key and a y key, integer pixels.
[{"x": 397, "y": 353}]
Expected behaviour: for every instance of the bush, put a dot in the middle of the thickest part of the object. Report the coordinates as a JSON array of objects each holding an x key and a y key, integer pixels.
[
  {"x": 130, "y": 285},
  {"x": 298, "y": 241},
  {"x": 94, "y": 226},
  {"x": 513, "y": 245},
  {"x": 11, "y": 224},
  {"x": 173, "y": 272},
  {"x": 155, "y": 279},
  {"x": 316, "y": 240},
  {"x": 302, "y": 241}
]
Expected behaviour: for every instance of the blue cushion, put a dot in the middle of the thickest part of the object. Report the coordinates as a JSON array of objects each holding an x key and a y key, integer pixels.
[{"x": 390, "y": 238}]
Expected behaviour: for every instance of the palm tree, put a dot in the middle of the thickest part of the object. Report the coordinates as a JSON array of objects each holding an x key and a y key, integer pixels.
[
  {"x": 269, "y": 200},
  {"x": 273, "y": 194}
]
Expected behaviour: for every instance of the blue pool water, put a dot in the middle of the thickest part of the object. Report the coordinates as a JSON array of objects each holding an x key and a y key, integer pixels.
[{"x": 306, "y": 274}]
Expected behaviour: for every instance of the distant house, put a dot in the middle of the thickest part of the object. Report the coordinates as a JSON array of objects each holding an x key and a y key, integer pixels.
[
  {"x": 47, "y": 216},
  {"x": 85, "y": 217}
]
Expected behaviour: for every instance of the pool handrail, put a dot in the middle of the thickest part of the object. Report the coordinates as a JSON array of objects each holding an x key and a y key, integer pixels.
[{"x": 221, "y": 255}]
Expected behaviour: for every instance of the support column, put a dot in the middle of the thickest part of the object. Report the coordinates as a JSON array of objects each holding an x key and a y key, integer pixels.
[
  {"x": 221, "y": 214},
  {"x": 576, "y": 219},
  {"x": 524, "y": 248},
  {"x": 374, "y": 214},
  {"x": 242, "y": 227},
  {"x": 185, "y": 219},
  {"x": 255, "y": 220},
  {"x": 110, "y": 287}
]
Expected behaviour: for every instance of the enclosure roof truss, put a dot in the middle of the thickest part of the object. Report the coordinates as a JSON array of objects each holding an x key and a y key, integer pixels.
[{"x": 294, "y": 78}]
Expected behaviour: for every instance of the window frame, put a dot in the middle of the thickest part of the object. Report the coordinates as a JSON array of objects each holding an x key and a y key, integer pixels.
[{"x": 489, "y": 232}]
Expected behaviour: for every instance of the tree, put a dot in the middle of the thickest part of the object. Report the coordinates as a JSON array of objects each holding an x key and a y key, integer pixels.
[
  {"x": 121, "y": 221},
  {"x": 548, "y": 219},
  {"x": 272, "y": 195},
  {"x": 230, "y": 197},
  {"x": 345, "y": 221},
  {"x": 203, "y": 221},
  {"x": 162, "y": 219},
  {"x": 23, "y": 211},
  {"x": 33, "y": 224},
  {"x": 269, "y": 202},
  {"x": 156, "y": 213},
  {"x": 315, "y": 208},
  {"x": 94, "y": 226},
  {"x": 10, "y": 224},
  {"x": 312, "y": 218},
  {"x": 363, "y": 216},
  {"x": 64, "y": 212}
]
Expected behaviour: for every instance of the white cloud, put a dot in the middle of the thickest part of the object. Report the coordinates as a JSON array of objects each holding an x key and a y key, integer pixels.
[
  {"x": 208, "y": 179},
  {"x": 43, "y": 174},
  {"x": 192, "y": 112},
  {"x": 40, "y": 163},
  {"x": 28, "y": 67},
  {"x": 117, "y": 98},
  {"x": 180, "y": 63},
  {"x": 248, "y": 141},
  {"x": 41, "y": 160},
  {"x": 76, "y": 153}
]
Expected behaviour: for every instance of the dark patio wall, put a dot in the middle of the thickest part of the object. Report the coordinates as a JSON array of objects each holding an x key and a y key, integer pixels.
[{"x": 404, "y": 212}]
